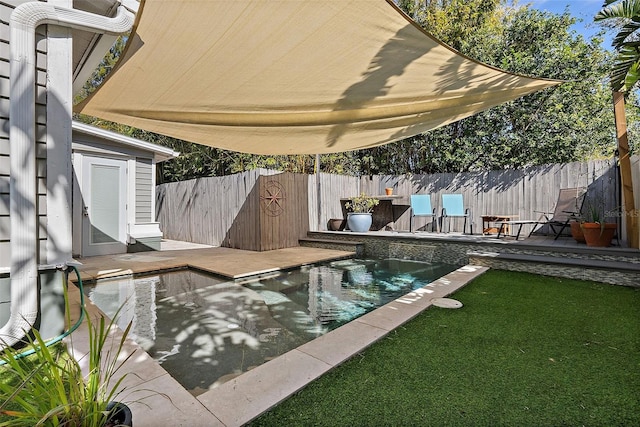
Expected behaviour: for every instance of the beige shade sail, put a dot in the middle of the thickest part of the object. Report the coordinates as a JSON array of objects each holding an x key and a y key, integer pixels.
[{"x": 293, "y": 76}]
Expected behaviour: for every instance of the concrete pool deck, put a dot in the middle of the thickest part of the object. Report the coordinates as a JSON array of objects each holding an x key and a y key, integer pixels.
[{"x": 157, "y": 399}]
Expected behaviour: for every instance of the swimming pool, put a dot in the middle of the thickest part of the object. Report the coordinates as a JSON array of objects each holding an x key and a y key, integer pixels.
[{"x": 205, "y": 330}]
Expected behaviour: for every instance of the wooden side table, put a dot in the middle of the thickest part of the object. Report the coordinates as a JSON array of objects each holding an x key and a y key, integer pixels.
[
  {"x": 503, "y": 228},
  {"x": 385, "y": 214}
]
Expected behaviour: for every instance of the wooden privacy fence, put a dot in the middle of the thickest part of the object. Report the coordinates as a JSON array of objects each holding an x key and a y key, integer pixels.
[
  {"x": 522, "y": 192},
  {"x": 204, "y": 210},
  {"x": 256, "y": 210}
]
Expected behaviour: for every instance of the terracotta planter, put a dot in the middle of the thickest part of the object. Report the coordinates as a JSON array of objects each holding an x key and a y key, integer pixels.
[
  {"x": 576, "y": 231},
  {"x": 336, "y": 224},
  {"x": 389, "y": 191},
  {"x": 599, "y": 235}
]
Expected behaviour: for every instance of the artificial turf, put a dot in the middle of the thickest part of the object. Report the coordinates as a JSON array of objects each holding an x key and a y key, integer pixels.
[{"x": 524, "y": 350}]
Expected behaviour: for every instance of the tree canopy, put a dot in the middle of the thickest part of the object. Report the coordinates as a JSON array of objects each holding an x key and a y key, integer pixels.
[
  {"x": 570, "y": 122},
  {"x": 573, "y": 121}
]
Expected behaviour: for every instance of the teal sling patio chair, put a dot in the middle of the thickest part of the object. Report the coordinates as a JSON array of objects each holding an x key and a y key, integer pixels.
[
  {"x": 421, "y": 206},
  {"x": 453, "y": 206}
]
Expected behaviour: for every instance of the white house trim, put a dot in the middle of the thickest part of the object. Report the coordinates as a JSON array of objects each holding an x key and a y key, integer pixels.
[
  {"x": 59, "y": 168},
  {"x": 160, "y": 153}
]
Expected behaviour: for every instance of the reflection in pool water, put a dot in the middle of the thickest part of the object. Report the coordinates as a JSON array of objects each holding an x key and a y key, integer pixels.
[{"x": 205, "y": 330}]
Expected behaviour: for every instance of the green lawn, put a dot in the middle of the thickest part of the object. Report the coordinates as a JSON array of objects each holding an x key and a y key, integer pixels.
[{"x": 525, "y": 350}]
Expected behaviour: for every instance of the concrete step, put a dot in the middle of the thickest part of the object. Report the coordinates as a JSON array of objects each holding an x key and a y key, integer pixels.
[
  {"x": 342, "y": 245},
  {"x": 606, "y": 271}
]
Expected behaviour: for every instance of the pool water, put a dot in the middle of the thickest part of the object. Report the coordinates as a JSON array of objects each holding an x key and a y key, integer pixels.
[{"x": 205, "y": 330}]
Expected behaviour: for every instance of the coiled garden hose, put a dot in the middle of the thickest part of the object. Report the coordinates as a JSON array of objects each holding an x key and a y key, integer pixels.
[{"x": 75, "y": 326}]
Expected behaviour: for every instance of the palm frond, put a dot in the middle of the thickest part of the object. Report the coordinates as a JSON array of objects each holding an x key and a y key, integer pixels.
[
  {"x": 624, "y": 33},
  {"x": 625, "y": 59},
  {"x": 632, "y": 77},
  {"x": 625, "y": 9}
]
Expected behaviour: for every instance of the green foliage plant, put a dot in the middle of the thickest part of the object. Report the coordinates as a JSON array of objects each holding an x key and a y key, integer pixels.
[
  {"x": 625, "y": 72},
  {"x": 362, "y": 203},
  {"x": 594, "y": 213},
  {"x": 595, "y": 205},
  {"x": 567, "y": 123},
  {"x": 48, "y": 388}
]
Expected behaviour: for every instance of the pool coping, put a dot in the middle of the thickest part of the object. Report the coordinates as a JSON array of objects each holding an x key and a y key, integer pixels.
[
  {"x": 155, "y": 397},
  {"x": 249, "y": 395}
]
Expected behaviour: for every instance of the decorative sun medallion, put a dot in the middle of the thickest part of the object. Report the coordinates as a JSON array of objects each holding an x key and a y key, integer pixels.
[{"x": 272, "y": 198}]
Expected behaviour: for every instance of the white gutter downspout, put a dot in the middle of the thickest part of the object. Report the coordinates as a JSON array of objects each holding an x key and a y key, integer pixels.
[{"x": 23, "y": 182}]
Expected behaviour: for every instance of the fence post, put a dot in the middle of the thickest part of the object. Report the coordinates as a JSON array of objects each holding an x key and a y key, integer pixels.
[{"x": 630, "y": 213}]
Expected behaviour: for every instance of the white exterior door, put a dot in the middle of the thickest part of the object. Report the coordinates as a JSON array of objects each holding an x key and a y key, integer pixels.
[{"x": 104, "y": 213}]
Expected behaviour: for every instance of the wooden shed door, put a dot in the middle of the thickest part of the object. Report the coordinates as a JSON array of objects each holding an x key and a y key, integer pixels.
[{"x": 104, "y": 191}]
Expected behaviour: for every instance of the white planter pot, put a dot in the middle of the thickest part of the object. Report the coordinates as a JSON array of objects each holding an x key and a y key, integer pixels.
[{"x": 359, "y": 222}]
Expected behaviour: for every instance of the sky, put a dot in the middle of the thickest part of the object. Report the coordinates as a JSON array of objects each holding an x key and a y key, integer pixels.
[{"x": 580, "y": 9}]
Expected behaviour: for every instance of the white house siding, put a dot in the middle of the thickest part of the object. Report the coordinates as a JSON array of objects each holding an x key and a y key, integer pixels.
[
  {"x": 5, "y": 13},
  {"x": 5, "y": 254},
  {"x": 144, "y": 190}
]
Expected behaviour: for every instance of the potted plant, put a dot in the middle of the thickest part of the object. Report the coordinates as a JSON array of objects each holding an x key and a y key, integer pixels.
[
  {"x": 576, "y": 230},
  {"x": 597, "y": 232},
  {"x": 46, "y": 385},
  {"x": 359, "y": 218}
]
